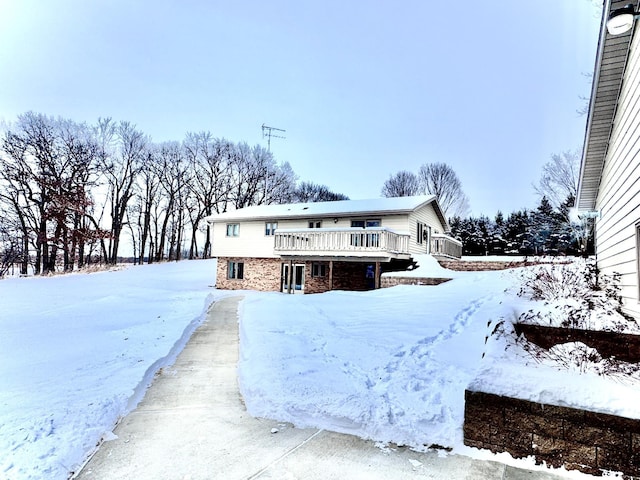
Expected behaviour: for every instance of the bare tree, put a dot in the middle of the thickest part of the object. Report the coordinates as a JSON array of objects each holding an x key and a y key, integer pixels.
[
  {"x": 559, "y": 184},
  {"x": 257, "y": 179},
  {"x": 15, "y": 208},
  {"x": 11, "y": 245},
  {"x": 280, "y": 184},
  {"x": 559, "y": 179},
  {"x": 309, "y": 192},
  {"x": 80, "y": 150},
  {"x": 173, "y": 175},
  {"x": 146, "y": 196},
  {"x": 440, "y": 180},
  {"x": 122, "y": 149},
  {"x": 46, "y": 174},
  {"x": 402, "y": 184},
  {"x": 210, "y": 160}
]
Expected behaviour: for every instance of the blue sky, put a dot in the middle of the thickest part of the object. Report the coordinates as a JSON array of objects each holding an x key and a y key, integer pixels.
[{"x": 363, "y": 88}]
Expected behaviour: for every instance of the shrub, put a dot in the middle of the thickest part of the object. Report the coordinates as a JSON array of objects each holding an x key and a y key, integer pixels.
[{"x": 575, "y": 296}]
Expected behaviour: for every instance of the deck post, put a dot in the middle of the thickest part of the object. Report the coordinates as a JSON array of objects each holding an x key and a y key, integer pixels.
[
  {"x": 330, "y": 274},
  {"x": 290, "y": 275},
  {"x": 377, "y": 278}
]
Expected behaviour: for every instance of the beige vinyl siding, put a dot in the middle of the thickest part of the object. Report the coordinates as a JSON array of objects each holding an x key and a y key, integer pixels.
[
  {"x": 252, "y": 242},
  {"x": 426, "y": 215},
  {"x": 394, "y": 222},
  {"x": 619, "y": 192}
]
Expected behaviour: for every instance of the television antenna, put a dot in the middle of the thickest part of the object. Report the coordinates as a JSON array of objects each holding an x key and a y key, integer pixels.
[{"x": 267, "y": 132}]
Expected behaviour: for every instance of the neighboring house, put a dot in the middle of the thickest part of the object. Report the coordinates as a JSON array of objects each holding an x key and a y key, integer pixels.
[
  {"x": 609, "y": 186},
  {"x": 316, "y": 247}
]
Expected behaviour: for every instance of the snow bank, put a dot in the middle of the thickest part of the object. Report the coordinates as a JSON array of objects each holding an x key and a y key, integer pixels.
[
  {"x": 78, "y": 352},
  {"x": 426, "y": 267}
]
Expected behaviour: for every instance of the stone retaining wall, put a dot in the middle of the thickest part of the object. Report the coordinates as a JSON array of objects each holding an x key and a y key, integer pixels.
[
  {"x": 479, "y": 266},
  {"x": 622, "y": 346},
  {"x": 578, "y": 439},
  {"x": 386, "y": 282},
  {"x": 471, "y": 266}
]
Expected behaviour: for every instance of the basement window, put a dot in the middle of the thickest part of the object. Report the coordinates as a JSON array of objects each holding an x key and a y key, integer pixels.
[
  {"x": 235, "y": 270},
  {"x": 318, "y": 269}
]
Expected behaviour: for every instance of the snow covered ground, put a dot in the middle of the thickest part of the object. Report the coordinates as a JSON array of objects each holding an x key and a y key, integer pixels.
[
  {"x": 78, "y": 352},
  {"x": 391, "y": 365}
]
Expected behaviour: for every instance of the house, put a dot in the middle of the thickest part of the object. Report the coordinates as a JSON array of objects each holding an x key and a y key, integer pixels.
[
  {"x": 316, "y": 247},
  {"x": 609, "y": 182}
]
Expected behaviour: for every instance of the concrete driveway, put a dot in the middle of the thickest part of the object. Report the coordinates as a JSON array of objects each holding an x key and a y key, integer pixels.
[{"x": 192, "y": 425}]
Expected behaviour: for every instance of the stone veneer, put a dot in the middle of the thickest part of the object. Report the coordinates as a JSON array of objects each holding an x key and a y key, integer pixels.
[
  {"x": 346, "y": 276},
  {"x": 578, "y": 439},
  {"x": 315, "y": 284},
  {"x": 264, "y": 274},
  {"x": 259, "y": 274}
]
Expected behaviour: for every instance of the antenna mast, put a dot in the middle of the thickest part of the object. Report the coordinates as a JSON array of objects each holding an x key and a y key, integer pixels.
[{"x": 268, "y": 133}]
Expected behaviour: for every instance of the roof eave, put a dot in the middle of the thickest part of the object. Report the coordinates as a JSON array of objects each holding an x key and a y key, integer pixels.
[
  {"x": 346, "y": 213},
  {"x": 595, "y": 147}
]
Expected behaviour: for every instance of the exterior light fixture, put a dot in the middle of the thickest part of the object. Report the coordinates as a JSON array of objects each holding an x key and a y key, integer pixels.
[{"x": 621, "y": 20}]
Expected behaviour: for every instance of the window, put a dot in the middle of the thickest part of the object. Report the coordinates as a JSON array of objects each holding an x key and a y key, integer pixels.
[
  {"x": 315, "y": 224},
  {"x": 366, "y": 223},
  {"x": 270, "y": 228},
  {"x": 318, "y": 270},
  {"x": 233, "y": 229},
  {"x": 235, "y": 270},
  {"x": 365, "y": 239},
  {"x": 423, "y": 233}
]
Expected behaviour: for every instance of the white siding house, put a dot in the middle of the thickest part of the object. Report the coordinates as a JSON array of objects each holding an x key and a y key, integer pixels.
[
  {"x": 609, "y": 184},
  {"x": 315, "y": 247}
]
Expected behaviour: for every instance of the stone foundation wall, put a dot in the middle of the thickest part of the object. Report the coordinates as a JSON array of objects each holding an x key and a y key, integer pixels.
[
  {"x": 578, "y": 439},
  {"x": 315, "y": 284},
  {"x": 261, "y": 274},
  {"x": 386, "y": 282},
  {"x": 350, "y": 276}
]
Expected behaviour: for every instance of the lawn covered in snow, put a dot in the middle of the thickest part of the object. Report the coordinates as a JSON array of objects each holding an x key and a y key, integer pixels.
[
  {"x": 78, "y": 352},
  {"x": 392, "y": 365},
  {"x": 389, "y": 365}
]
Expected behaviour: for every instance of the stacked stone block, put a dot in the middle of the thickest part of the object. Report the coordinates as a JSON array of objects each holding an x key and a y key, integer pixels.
[{"x": 578, "y": 439}]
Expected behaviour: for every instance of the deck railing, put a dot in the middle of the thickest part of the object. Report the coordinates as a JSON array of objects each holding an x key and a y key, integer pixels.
[
  {"x": 342, "y": 241},
  {"x": 445, "y": 246}
]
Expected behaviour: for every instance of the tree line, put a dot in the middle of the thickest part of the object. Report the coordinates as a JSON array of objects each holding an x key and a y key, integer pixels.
[
  {"x": 541, "y": 231},
  {"x": 70, "y": 191},
  {"x": 549, "y": 229}
]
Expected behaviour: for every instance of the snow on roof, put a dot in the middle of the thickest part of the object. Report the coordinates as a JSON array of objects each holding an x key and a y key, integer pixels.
[{"x": 321, "y": 209}]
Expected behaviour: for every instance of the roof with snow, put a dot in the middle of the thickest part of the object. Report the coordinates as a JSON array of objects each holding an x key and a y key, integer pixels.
[{"x": 382, "y": 206}]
